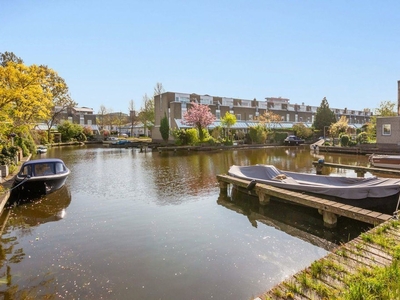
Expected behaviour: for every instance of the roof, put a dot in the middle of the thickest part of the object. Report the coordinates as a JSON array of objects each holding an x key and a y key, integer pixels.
[
  {"x": 43, "y": 160},
  {"x": 237, "y": 125}
]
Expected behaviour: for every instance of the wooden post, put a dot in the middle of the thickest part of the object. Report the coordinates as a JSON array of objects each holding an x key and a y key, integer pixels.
[
  {"x": 319, "y": 167},
  {"x": 223, "y": 186},
  {"x": 263, "y": 198},
  {"x": 330, "y": 219},
  {"x": 360, "y": 173}
]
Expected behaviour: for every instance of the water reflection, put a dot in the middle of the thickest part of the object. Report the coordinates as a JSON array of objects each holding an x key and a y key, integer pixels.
[
  {"x": 299, "y": 221},
  {"x": 153, "y": 225},
  {"x": 48, "y": 208},
  {"x": 19, "y": 222}
]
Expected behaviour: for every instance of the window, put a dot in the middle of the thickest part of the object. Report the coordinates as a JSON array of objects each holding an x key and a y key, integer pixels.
[
  {"x": 206, "y": 100},
  {"x": 386, "y": 129},
  {"x": 227, "y": 102},
  {"x": 250, "y": 117},
  {"x": 218, "y": 114},
  {"x": 238, "y": 117},
  {"x": 246, "y": 103}
]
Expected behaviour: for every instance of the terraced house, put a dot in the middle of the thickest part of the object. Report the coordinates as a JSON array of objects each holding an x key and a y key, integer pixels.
[{"x": 247, "y": 112}]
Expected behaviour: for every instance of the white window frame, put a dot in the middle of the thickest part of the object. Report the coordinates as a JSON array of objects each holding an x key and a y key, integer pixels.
[{"x": 386, "y": 129}]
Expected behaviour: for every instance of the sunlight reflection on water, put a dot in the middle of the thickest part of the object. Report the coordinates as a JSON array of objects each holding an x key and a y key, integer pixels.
[{"x": 154, "y": 226}]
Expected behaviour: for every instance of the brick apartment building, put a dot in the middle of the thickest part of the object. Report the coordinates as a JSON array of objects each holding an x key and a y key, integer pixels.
[{"x": 247, "y": 112}]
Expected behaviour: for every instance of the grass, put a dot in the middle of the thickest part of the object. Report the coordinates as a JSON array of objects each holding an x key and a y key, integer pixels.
[{"x": 364, "y": 283}]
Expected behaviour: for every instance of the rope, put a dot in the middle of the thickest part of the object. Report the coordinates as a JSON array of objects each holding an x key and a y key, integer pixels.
[
  {"x": 395, "y": 214},
  {"x": 22, "y": 182}
]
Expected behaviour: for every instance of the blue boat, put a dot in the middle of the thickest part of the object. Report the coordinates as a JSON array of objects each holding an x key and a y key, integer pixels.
[{"x": 39, "y": 177}]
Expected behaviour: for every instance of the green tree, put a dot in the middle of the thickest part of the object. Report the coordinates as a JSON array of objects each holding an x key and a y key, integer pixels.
[
  {"x": 258, "y": 134},
  {"x": 339, "y": 127},
  {"x": 324, "y": 116},
  {"x": 164, "y": 128},
  {"x": 61, "y": 100},
  {"x": 146, "y": 114},
  {"x": 70, "y": 131},
  {"x": 302, "y": 131},
  {"x": 228, "y": 120},
  {"x": 385, "y": 109}
]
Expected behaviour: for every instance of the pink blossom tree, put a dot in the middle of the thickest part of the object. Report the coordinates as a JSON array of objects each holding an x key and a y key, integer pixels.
[{"x": 199, "y": 116}]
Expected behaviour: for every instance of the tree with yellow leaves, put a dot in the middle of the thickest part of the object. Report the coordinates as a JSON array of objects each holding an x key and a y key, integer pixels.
[
  {"x": 24, "y": 96},
  {"x": 339, "y": 127},
  {"x": 270, "y": 119},
  {"x": 29, "y": 94},
  {"x": 228, "y": 120}
]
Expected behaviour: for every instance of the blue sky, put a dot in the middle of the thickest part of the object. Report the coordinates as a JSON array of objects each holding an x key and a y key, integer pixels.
[{"x": 110, "y": 52}]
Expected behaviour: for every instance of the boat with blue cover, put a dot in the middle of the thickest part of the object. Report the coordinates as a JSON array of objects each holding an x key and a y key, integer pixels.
[{"x": 39, "y": 177}]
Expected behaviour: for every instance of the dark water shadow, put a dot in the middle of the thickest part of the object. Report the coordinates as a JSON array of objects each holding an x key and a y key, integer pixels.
[{"x": 298, "y": 221}]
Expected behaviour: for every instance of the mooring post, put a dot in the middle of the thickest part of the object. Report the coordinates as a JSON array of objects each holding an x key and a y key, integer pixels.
[
  {"x": 223, "y": 186},
  {"x": 319, "y": 166},
  {"x": 330, "y": 219},
  {"x": 360, "y": 173},
  {"x": 263, "y": 198}
]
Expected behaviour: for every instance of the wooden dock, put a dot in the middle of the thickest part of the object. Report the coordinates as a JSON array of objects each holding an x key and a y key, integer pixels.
[
  {"x": 7, "y": 183},
  {"x": 347, "y": 269},
  {"x": 360, "y": 170},
  {"x": 329, "y": 209}
]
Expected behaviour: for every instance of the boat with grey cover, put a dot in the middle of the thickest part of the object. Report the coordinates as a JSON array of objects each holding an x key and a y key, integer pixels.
[{"x": 361, "y": 192}]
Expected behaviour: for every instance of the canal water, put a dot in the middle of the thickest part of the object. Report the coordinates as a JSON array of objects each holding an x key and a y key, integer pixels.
[{"x": 132, "y": 225}]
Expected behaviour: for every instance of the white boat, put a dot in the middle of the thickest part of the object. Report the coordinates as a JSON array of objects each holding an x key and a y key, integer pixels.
[
  {"x": 368, "y": 192},
  {"x": 110, "y": 140},
  {"x": 41, "y": 149},
  {"x": 385, "y": 161}
]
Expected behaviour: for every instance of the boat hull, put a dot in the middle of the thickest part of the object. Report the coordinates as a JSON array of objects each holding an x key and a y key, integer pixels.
[
  {"x": 39, "y": 177},
  {"x": 378, "y": 194},
  {"x": 385, "y": 161}
]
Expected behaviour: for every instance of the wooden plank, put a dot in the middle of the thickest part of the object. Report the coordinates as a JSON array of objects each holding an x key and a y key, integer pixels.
[
  {"x": 337, "y": 208},
  {"x": 359, "y": 168}
]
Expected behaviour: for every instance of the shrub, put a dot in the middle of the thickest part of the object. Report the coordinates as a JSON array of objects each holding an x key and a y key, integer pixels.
[
  {"x": 352, "y": 143},
  {"x": 280, "y": 136},
  {"x": 363, "y": 138},
  {"x": 258, "y": 134},
  {"x": 344, "y": 140},
  {"x": 8, "y": 154},
  {"x": 27, "y": 144},
  {"x": 185, "y": 136},
  {"x": 227, "y": 142}
]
